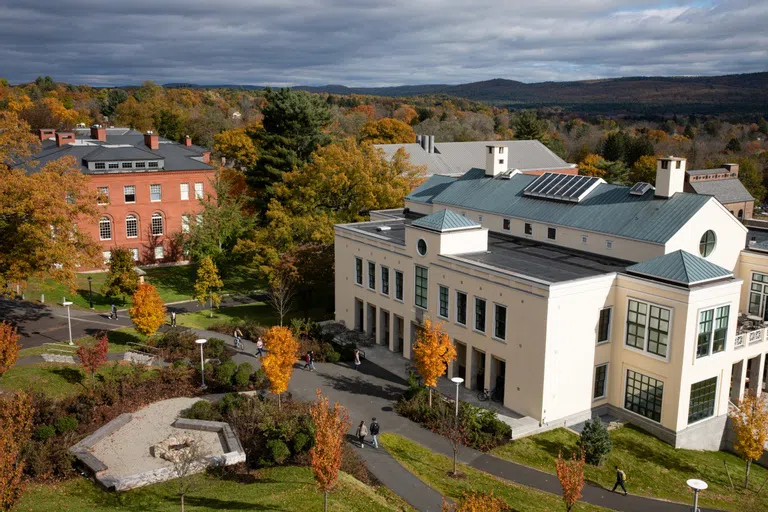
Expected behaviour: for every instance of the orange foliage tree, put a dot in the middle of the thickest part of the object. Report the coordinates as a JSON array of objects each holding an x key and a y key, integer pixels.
[
  {"x": 148, "y": 311},
  {"x": 331, "y": 423},
  {"x": 570, "y": 472},
  {"x": 750, "y": 425},
  {"x": 281, "y": 356},
  {"x": 432, "y": 353},
  {"x": 9, "y": 347},
  {"x": 93, "y": 353},
  {"x": 15, "y": 429},
  {"x": 387, "y": 131},
  {"x": 477, "y": 502}
]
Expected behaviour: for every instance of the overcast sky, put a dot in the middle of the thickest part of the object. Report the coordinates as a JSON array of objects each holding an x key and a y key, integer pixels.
[{"x": 376, "y": 42}]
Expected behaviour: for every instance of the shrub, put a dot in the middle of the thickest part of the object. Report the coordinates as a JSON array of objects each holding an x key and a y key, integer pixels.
[
  {"x": 202, "y": 410},
  {"x": 243, "y": 375},
  {"x": 225, "y": 371},
  {"x": 49, "y": 459},
  {"x": 214, "y": 349},
  {"x": 259, "y": 379},
  {"x": 353, "y": 464},
  {"x": 595, "y": 441},
  {"x": 45, "y": 432},
  {"x": 230, "y": 402},
  {"x": 177, "y": 343},
  {"x": 180, "y": 363},
  {"x": 300, "y": 441},
  {"x": 278, "y": 451},
  {"x": 332, "y": 357},
  {"x": 66, "y": 424}
]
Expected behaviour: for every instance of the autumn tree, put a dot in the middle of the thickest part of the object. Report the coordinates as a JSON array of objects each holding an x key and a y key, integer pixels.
[
  {"x": 280, "y": 294},
  {"x": 148, "y": 310},
  {"x": 331, "y": 424},
  {"x": 644, "y": 169},
  {"x": 406, "y": 114},
  {"x": 475, "y": 501},
  {"x": 15, "y": 429},
  {"x": 570, "y": 473},
  {"x": 122, "y": 278},
  {"x": 750, "y": 426},
  {"x": 449, "y": 427},
  {"x": 93, "y": 353},
  {"x": 387, "y": 131},
  {"x": 281, "y": 356},
  {"x": 208, "y": 283},
  {"x": 432, "y": 353},
  {"x": 9, "y": 347},
  {"x": 17, "y": 143},
  {"x": 236, "y": 147},
  {"x": 752, "y": 178}
]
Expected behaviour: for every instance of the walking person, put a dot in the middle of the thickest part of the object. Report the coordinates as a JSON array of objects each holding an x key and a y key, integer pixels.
[
  {"x": 307, "y": 361},
  {"x": 259, "y": 347},
  {"x": 357, "y": 359},
  {"x": 113, "y": 312},
  {"x": 621, "y": 479},
  {"x": 238, "y": 335},
  {"x": 173, "y": 319},
  {"x": 312, "y": 360},
  {"x": 374, "y": 429},
  {"x": 362, "y": 431}
]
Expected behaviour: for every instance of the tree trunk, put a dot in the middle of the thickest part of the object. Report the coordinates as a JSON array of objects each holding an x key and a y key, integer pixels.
[
  {"x": 279, "y": 406},
  {"x": 430, "y": 397},
  {"x": 211, "y": 303},
  {"x": 182, "y": 503},
  {"x": 454, "y": 461},
  {"x": 746, "y": 476},
  {"x": 325, "y": 501}
]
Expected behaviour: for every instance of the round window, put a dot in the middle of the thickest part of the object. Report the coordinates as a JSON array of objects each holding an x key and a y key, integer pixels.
[
  {"x": 707, "y": 243},
  {"x": 421, "y": 246}
]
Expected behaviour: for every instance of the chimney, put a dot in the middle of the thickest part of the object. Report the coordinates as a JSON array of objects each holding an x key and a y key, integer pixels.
[
  {"x": 495, "y": 160},
  {"x": 46, "y": 133},
  {"x": 431, "y": 144},
  {"x": 151, "y": 140},
  {"x": 670, "y": 176},
  {"x": 732, "y": 169},
  {"x": 99, "y": 133},
  {"x": 63, "y": 138},
  {"x": 423, "y": 142},
  {"x": 187, "y": 141},
  {"x": 206, "y": 157},
  {"x": 418, "y": 140}
]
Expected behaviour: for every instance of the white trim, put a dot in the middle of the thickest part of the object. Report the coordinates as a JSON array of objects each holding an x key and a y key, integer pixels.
[
  {"x": 426, "y": 247},
  {"x": 594, "y": 381}
]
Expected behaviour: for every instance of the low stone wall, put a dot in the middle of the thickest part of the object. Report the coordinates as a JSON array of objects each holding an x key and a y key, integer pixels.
[{"x": 82, "y": 449}]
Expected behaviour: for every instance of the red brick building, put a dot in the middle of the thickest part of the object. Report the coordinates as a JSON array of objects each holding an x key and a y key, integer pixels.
[{"x": 151, "y": 186}]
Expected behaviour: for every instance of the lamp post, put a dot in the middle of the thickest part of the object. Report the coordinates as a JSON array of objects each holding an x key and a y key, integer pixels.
[
  {"x": 457, "y": 381},
  {"x": 697, "y": 486},
  {"x": 69, "y": 319},
  {"x": 90, "y": 292},
  {"x": 202, "y": 342}
]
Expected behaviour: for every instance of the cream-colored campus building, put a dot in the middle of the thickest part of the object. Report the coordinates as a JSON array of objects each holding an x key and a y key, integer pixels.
[{"x": 572, "y": 296}]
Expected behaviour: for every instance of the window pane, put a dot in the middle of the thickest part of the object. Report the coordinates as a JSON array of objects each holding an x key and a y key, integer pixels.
[
  {"x": 157, "y": 224},
  {"x": 131, "y": 226},
  {"x": 184, "y": 223},
  {"x": 705, "y": 332},
  {"x": 422, "y": 287},
  {"x": 443, "y": 302},
  {"x": 754, "y": 303},
  {"x": 185, "y": 191},
  {"x": 398, "y": 285},
  {"x": 159, "y": 252},
  {"x": 636, "y": 322},
  {"x": 601, "y": 374},
  {"x": 105, "y": 229},
  {"x": 103, "y": 195},
  {"x": 358, "y": 271},
  {"x": 702, "y": 403},
  {"x": 461, "y": 308},
  {"x": 480, "y": 314},
  {"x": 385, "y": 280},
  {"x": 658, "y": 331},
  {"x": 198, "y": 190},
  {"x": 603, "y": 325},
  {"x": 129, "y": 192},
  {"x": 154, "y": 192},
  {"x": 721, "y": 329},
  {"x": 644, "y": 395},
  {"x": 500, "y": 322},
  {"x": 371, "y": 275}
]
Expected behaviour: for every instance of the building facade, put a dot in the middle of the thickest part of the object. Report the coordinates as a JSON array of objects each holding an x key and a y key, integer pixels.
[
  {"x": 149, "y": 187},
  {"x": 722, "y": 183},
  {"x": 570, "y": 296}
]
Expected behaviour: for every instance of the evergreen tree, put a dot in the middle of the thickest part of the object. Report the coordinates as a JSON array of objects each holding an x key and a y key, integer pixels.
[
  {"x": 615, "y": 146},
  {"x": 595, "y": 441},
  {"x": 636, "y": 148},
  {"x": 169, "y": 124},
  {"x": 615, "y": 172},
  {"x": 690, "y": 131},
  {"x": 122, "y": 278},
  {"x": 528, "y": 126},
  {"x": 734, "y": 146}
]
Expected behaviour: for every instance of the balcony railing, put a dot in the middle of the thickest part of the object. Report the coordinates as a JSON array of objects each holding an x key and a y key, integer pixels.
[{"x": 750, "y": 330}]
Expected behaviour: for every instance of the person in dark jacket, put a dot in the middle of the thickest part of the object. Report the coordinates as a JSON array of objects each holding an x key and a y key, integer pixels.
[
  {"x": 374, "y": 430},
  {"x": 621, "y": 479},
  {"x": 362, "y": 431}
]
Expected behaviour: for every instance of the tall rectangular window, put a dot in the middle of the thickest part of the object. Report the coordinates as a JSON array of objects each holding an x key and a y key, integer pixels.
[
  {"x": 461, "y": 308},
  {"x": 637, "y": 318},
  {"x": 155, "y": 193},
  {"x": 103, "y": 193},
  {"x": 359, "y": 271},
  {"x": 443, "y": 296},
  {"x": 648, "y": 327},
  {"x": 528, "y": 228},
  {"x": 713, "y": 327},
  {"x": 507, "y": 224},
  {"x": 721, "y": 329},
  {"x": 658, "y": 331},
  {"x": 159, "y": 252},
  {"x": 551, "y": 233},
  {"x": 601, "y": 378},
  {"x": 644, "y": 395},
  {"x": 398, "y": 285},
  {"x": 706, "y": 321},
  {"x": 479, "y": 314},
  {"x": 702, "y": 403},
  {"x": 371, "y": 275},
  {"x": 184, "y": 189},
  {"x": 604, "y": 326},
  {"x": 185, "y": 223},
  {"x": 198, "y": 190},
  {"x": 129, "y": 193},
  {"x": 135, "y": 253},
  {"x": 385, "y": 280},
  {"x": 421, "y": 287},
  {"x": 500, "y": 321}
]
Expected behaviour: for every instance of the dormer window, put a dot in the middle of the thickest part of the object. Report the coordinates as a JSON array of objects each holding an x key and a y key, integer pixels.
[
  {"x": 141, "y": 165},
  {"x": 127, "y": 165},
  {"x": 153, "y": 165},
  {"x": 501, "y": 151},
  {"x": 100, "y": 165},
  {"x": 114, "y": 165}
]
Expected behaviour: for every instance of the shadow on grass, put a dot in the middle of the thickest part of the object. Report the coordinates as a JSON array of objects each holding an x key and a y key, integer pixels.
[{"x": 69, "y": 374}]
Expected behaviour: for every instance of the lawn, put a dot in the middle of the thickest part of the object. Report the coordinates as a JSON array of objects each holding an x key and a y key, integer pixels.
[
  {"x": 280, "y": 489},
  {"x": 433, "y": 469},
  {"x": 118, "y": 342},
  {"x": 173, "y": 283},
  {"x": 654, "y": 468},
  {"x": 258, "y": 312}
]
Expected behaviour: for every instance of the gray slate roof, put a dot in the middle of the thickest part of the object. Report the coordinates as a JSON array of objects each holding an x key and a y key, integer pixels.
[
  {"x": 122, "y": 153},
  {"x": 445, "y": 220},
  {"x": 456, "y": 158},
  {"x": 726, "y": 191},
  {"x": 680, "y": 267},
  {"x": 608, "y": 209}
]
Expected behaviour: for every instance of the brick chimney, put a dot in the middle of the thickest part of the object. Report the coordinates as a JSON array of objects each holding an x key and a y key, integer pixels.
[
  {"x": 46, "y": 133},
  {"x": 151, "y": 140},
  {"x": 63, "y": 138},
  {"x": 187, "y": 141},
  {"x": 732, "y": 169},
  {"x": 99, "y": 133},
  {"x": 207, "y": 157}
]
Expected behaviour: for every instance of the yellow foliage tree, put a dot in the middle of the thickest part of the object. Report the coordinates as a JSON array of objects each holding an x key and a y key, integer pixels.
[
  {"x": 236, "y": 147},
  {"x": 750, "y": 425},
  {"x": 432, "y": 353},
  {"x": 148, "y": 311},
  {"x": 208, "y": 283},
  {"x": 406, "y": 114},
  {"x": 590, "y": 165},
  {"x": 644, "y": 169},
  {"x": 475, "y": 501},
  {"x": 387, "y": 131},
  {"x": 281, "y": 356}
]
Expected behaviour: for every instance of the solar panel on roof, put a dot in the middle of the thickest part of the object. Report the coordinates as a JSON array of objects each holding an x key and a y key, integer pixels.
[
  {"x": 562, "y": 187},
  {"x": 640, "y": 188}
]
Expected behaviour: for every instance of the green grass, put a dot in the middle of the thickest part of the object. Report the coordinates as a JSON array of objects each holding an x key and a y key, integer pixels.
[
  {"x": 434, "y": 470},
  {"x": 277, "y": 489},
  {"x": 174, "y": 284},
  {"x": 118, "y": 342},
  {"x": 258, "y": 312},
  {"x": 654, "y": 468}
]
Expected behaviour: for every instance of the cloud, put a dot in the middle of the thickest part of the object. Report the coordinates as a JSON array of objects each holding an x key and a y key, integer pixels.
[{"x": 374, "y": 43}]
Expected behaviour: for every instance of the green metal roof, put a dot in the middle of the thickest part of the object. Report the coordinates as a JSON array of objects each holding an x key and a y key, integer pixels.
[
  {"x": 608, "y": 209},
  {"x": 680, "y": 267},
  {"x": 445, "y": 220}
]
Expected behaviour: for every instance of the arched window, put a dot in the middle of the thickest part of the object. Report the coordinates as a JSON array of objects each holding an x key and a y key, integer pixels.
[
  {"x": 707, "y": 243},
  {"x": 131, "y": 226},
  {"x": 105, "y": 229},
  {"x": 740, "y": 215},
  {"x": 157, "y": 224}
]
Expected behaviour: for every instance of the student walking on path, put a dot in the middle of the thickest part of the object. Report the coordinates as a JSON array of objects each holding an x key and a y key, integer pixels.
[
  {"x": 113, "y": 312},
  {"x": 357, "y": 359},
  {"x": 308, "y": 362},
  {"x": 621, "y": 479},
  {"x": 362, "y": 431},
  {"x": 238, "y": 334},
  {"x": 173, "y": 319},
  {"x": 259, "y": 348},
  {"x": 374, "y": 432}
]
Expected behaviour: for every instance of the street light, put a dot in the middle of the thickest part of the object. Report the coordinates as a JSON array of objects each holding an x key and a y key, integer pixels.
[
  {"x": 202, "y": 342},
  {"x": 457, "y": 381},
  {"x": 90, "y": 292},
  {"x": 697, "y": 486},
  {"x": 69, "y": 319}
]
